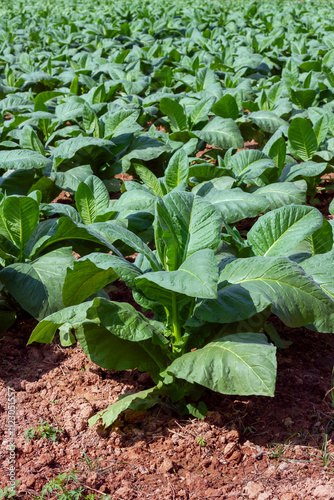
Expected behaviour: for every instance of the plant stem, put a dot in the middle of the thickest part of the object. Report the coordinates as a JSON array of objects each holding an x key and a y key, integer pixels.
[{"x": 175, "y": 322}]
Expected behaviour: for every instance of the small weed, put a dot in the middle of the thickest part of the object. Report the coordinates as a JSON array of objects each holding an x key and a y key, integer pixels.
[
  {"x": 200, "y": 441},
  {"x": 326, "y": 456},
  {"x": 249, "y": 430},
  {"x": 59, "y": 489},
  {"x": 43, "y": 431},
  {"x": 84, "y": 368},
  {"x": 281, "y": 447},
  {"x": 9, "y": 492},
  {"x": 92, "y": 463},
  {"x": 277, "y": 450}
]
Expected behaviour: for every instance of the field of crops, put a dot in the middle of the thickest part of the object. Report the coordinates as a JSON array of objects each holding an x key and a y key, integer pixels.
[{"x": 166, "y": 204}]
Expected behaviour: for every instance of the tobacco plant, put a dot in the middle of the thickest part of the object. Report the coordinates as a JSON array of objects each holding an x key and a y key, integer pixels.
[{"x": 210, "y": 292}]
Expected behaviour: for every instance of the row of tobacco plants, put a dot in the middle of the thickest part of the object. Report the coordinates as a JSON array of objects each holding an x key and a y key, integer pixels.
[{"x": 95, "y": 90}]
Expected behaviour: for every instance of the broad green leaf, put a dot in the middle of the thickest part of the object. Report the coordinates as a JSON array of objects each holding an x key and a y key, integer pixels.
[
  {"x": 319, "y": 242},
  {"x": 94, "y": 271},
  {"x": 90, "y": 121},
  {"x": 151, "y": 295},
  {"x": 302, "y": 139},
  {"x": 144, "y": 148},
  {"x": 70, "y": 316},
  {"x": 277, "y": 135},
  {"x": 175, "y": 113},
  {"x": 205, "y": 78},
  {"x": 177, "y": 170},
  {"x": 137, "y": 198},
  {"x": 110, "y": 349},
  {"x": 119, "y": 318},
  {"x": 92, "y": 198},
  {"x": 44, "y": 97},
  {"x": 121, "y": 122},
  {"x": 149, "y": 179},
  {"x": 311, "y": 65},
  {"x": 297, "y": 300},
  {"x": 277, "y": 152},
  {"x": 226, "y": 107},
  {"x": 70, "y": 180},
  {"x": 280, "y": 194},
  {"x": 17, "y": 182},
  {"x": 203, "y": 172},
  {"x": 139, "y": 400},
  {"x": 249, "y": 164},
  {"x": 53, "y": 231},
  {"x": 241, "y": 364},
  {"x": 221, "y": 133},
  {"x": 268, "y": 121},
  {"x": 321, "y": 129},
  {"x": 196, "y": 277},
  {"x": 322, "y": 239},
  {"x": 71, "y": 110},
  {"x": 69, "y": 148},
  {"x": 184, "y": 224},
  {"x": 277, "y": 232},
  {"x": 303, "y": 98},
  {"x": 234, "y": 304},
  {"x": 305, "y": 169},
  {"x": 30, "y": 140},
  {"x": 22, "y": 159},
  {"x": 321, "y": 268},
  {"x": 110, "y": 232},
  {"x": 8, "y": 250},
  {"x": 200, "y": 111},
  {"x": 21, "y": 216},
  {"x": 235, "y": 204},
  {"x": 37, "y": 286},
  {"x": 122, "y": 320},
  {"x": 50, "y": 209},
  {"x": 220, "y": 183}
]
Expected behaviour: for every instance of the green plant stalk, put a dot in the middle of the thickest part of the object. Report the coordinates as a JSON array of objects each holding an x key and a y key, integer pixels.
[
  {"x": 176, "y": 326},
  {"x": 191, "y": 308},
  {"x": 44, "y": 127},
  {"x": 312, "y": 187}
]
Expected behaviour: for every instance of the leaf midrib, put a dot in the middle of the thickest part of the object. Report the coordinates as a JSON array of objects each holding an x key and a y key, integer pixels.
[
  {"x": 241, "y": 359},
  {"x": 281, "y": 283},
  {"x": 284, "y": 232}
]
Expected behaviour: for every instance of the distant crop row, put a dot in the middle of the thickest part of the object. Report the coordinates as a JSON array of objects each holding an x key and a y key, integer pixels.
[{"x": 168, "y": 95}]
